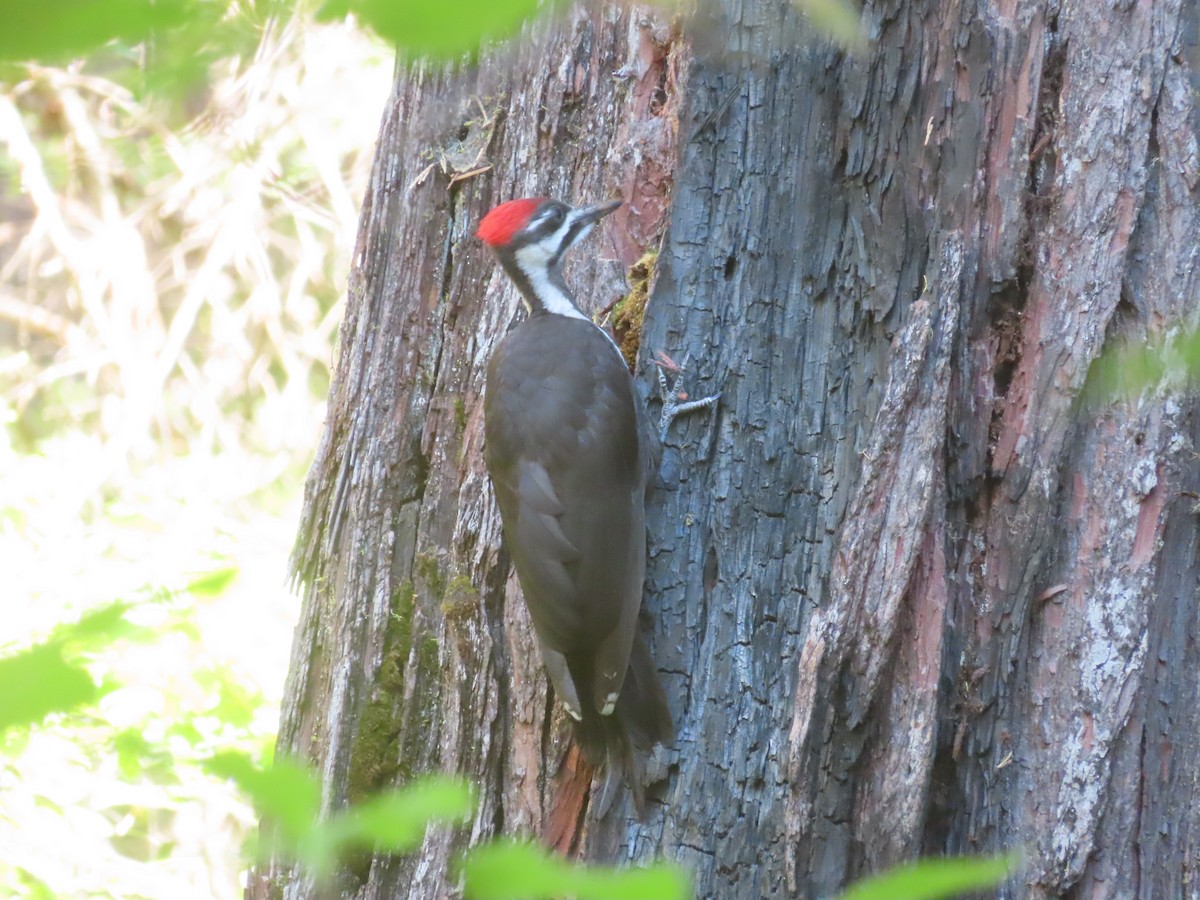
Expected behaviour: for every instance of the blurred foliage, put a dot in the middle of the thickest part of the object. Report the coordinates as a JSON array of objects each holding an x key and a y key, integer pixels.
[
  {"x": 515, "y": 870},
  {"x": 43, "y": 682},
  {"x": 1128, "y": 368},
  {"x": 934, "y": 879},
  {"x": 419, "y": 28},
  {"x": 177, "y": 218},
  {"x": 50, "y": 676},
  {"x": 288, "y": 797},
  {"x": 54, "y": 674},
  {"x": 840, "y": 20},
  {"x": 91, "y": 753},
  {"x": 188, "y": 35},
  {"x": 65, "y": 29}
]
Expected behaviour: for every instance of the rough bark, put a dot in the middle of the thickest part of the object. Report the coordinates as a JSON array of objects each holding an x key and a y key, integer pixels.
[{"x": 908, "y": 593}]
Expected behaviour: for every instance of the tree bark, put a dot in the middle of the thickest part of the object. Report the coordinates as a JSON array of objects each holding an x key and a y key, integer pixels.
[{"x": 908, "y": 593}]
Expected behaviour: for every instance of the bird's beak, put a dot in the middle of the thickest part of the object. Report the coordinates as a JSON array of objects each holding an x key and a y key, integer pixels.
[{"x": 590, "y": 214}]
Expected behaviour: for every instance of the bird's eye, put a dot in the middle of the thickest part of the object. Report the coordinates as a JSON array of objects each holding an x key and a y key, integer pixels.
[{"x": 555, "y": 215}]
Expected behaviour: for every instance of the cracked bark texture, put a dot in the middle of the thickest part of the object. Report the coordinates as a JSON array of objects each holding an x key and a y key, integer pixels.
[{"x": 908, "y": 593}]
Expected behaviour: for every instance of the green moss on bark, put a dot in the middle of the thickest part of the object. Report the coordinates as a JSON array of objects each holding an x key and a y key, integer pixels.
[
  {"x": 393, "y": 736},
  {"x": 630, "y": 312},
  {"x": 427, "y": 570},
  {"x": 423, "y": 712},
  {"x": 460, "y": 601},
  {"x": 375, "y": 759}
]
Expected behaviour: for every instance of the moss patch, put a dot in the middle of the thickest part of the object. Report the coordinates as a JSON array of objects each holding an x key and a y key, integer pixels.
[
  {"x": 427, "y": 569},
  {"x": 460, "y": 600},
  {"x": 392, "y": 737},
  {"x": 630, "y": 312},
  {"x": 423, "y": 713},
  {"x": 375, "y": 759}
]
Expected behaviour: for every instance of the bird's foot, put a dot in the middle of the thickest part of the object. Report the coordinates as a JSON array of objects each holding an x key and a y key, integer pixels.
[{"x": 675, "y": 401}]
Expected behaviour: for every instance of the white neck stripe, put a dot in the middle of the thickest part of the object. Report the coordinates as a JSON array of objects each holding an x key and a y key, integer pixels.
[
  {"x": 552, "y": 297},
  {"x": 556, "y": 302}
]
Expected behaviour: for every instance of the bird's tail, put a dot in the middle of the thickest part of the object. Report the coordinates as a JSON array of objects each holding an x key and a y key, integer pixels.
[{"x": 623, "y": 741}]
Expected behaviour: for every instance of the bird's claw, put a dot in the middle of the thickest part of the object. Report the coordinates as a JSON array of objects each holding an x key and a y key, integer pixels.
[{"x": 675, "y": 401}]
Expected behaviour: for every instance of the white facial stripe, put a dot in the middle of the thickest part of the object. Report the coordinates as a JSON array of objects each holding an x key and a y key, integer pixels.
[
  {"x": 545, "y": 249},
  {"x": 572, "y": 217},
  {"x": 557, "y": 302},
  {"x": 584, "y": 232},
  {"x": 554, "y": 299},
  {"x": 550, "y": 244}
]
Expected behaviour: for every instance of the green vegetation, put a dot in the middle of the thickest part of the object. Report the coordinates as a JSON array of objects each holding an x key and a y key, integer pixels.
[
  {"x": 102, "y": 739},
  {"x": 514, "y": 870},
  {"x": 375, "y": 757},
  {"x": 287, "y": 795},
  {"x": 628, "y": 315},
  {"x": 840, "y": 20},
  {"x": 59, "y": 32},
  {"x": 420, "y": 28},
  {"x": 460, "y": 414},
  {"x": 50, "y": 674},
  {"x": 176, "y": 223},
  {"x": 430, "y": 574},
  {"x": 933, "y": 879},
  {"x": 202, "y": 31},
  {"x": 1126, "y": 369},
  {"x": 461, "y": 600}
]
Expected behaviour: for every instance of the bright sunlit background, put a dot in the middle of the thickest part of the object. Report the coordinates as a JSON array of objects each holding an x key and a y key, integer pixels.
[{"x": 172, "y": 275}]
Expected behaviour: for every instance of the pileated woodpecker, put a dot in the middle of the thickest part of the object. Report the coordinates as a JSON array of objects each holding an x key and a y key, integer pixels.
[{"x": 569, "y": 460}]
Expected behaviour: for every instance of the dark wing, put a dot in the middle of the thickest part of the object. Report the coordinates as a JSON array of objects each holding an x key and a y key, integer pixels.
[{"x": 566, "y": 461}]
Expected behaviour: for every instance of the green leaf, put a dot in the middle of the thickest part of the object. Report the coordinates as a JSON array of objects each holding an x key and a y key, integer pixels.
[
  {"x": 288, "y": 796},
  {"x": 438, "y": 30},
  {"x": 212, "y": 584},
  {"x": 139, "y": 758},
  {"x": 39, "y": 681},
  {"x": 396, "y": 821},
  {"x": 96, "y": 629},
  {"x": 930, "y": 879},
  {"x": 513, "y": 870},
  {"x": 1126, "y": 369},
  {"x": 63, "y": 29},
  {"x": 235, "y": 704},
  {"x": 35, "y": 888},
  {"x": 287, "y": 793},
  {"x": 838, "y": 19}
]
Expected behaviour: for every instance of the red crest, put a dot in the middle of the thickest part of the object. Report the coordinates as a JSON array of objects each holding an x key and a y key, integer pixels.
[{"x": 499, "y": 226}]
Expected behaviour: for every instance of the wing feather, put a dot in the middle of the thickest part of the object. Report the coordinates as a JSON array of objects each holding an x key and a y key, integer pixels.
[{"x": 565, "y": 456}]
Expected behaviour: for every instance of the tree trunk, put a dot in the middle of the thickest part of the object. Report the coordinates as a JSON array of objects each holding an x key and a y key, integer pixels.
[{"x": 908, "y": 594}]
